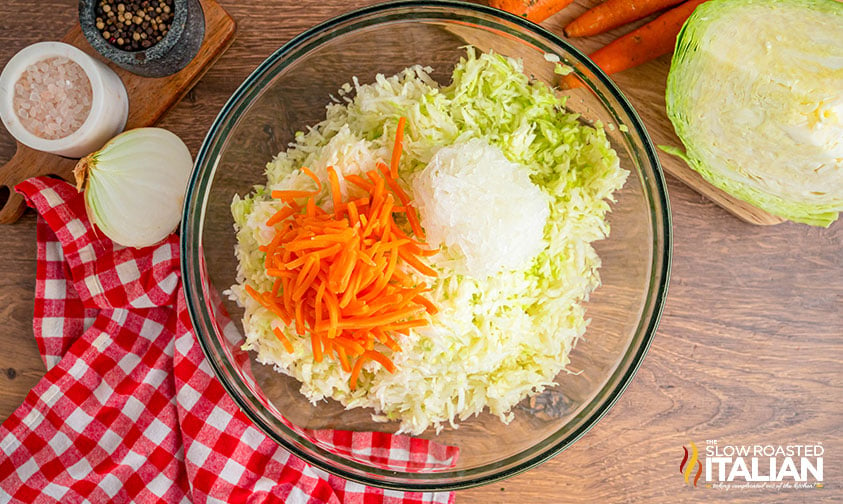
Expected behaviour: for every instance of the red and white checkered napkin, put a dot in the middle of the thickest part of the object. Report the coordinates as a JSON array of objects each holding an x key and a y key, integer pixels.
[{"x": 129, "y": 409}]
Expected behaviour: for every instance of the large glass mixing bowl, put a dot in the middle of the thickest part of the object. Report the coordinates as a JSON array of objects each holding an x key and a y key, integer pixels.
[{"x": 289, "y": 91}]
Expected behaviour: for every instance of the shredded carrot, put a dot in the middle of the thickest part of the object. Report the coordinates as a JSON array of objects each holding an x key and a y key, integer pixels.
[
  {"x": 290, "y": 195},
  {"x": 336, "y": 195},
  {"x": 428, "y": 305},
  {"x": 341, "y": 356},
  {"x": 284, "y": 341},
  {"x": 316, "y": 343},
  {"x": 397, "y": 148},
  {"x": 405, "y": 200},
  {"x": 359, "y": 182},
  {"x": 281, "y": 215},
  {"x": 341, "y": 279}
]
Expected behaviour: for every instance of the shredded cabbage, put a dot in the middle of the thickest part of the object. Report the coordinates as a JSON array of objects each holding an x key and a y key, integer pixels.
[{"x": 496, "y": 339}]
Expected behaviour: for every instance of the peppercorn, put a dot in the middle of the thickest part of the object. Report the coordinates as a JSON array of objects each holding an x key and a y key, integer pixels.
[{"x": 133, "y": 25}]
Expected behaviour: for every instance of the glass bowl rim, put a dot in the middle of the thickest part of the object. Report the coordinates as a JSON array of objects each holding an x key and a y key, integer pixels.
[{"x": 203, "y": 173}]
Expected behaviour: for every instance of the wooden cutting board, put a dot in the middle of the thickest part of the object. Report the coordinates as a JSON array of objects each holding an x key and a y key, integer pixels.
[
  {"x": 738, "y": 208},
  {"x": 149, "y": 99}
]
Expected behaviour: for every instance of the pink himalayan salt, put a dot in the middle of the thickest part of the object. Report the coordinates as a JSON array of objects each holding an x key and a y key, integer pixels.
[{"x": 53, "y": 97}]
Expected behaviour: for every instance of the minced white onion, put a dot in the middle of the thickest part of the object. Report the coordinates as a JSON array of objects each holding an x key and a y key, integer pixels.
[{"x": 482, "y": 207}]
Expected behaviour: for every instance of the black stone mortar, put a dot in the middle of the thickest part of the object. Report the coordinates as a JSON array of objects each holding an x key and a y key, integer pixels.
[{"x": 171, "y": 54}]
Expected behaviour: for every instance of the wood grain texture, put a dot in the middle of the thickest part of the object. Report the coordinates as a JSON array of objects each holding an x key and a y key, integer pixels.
[
  {"x": 149, "y": 99},
  {"x": 748, "y": 350}
]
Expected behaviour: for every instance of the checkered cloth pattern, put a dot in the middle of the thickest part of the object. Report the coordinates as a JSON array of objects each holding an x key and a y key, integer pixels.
[{"x": 129, "y": 409}]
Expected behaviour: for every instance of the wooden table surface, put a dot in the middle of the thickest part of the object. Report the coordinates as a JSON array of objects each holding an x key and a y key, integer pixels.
[{"x": 750, "y": 346}]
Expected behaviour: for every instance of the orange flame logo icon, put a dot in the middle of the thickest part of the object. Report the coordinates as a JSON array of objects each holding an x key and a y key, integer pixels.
[{"x": 686, "y": 467}]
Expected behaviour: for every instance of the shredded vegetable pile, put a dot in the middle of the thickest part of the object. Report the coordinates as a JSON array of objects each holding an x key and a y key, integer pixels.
[
  {"x": 340, "y": 289},
  {"x": 338, "y": 277}
]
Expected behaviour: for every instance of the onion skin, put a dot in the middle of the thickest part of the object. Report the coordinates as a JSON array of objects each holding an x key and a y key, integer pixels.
[{"x": 134, "y": 186}]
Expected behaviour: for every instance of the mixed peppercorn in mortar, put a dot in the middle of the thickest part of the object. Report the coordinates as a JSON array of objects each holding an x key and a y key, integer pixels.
[{"x": 133, "y": 25}]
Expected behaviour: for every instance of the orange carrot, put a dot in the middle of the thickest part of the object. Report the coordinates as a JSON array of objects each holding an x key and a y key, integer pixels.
[
  {"x": 382, "y": 359},
  {"x": 343, "y": 360},
  {"x": 340, "y": 278},
  {"x": 534, "y": 10},
  {"x": 613, "y": 13},
  {"x": 359, "y": 182},
  {"x": 369, "y": 355},
  {"x": 654, "y": 39},
  {"x": 290, "y": 195},
  {"x": 284, "y": 341},
  {"x": 355, "y": 372},
  {"x": 281, "y": 215},
  {"x": 414, "y": 261},
  {"x": 412, "y": 218},
  {"x": 313, "y": 176},
  {"x": 335, "y": 191},
  {"x": 428, "y": 305},
  {"x": 397, "y": 148},
  {"x": 386, "y": 340},
  {"x": 316, "y": 344}
]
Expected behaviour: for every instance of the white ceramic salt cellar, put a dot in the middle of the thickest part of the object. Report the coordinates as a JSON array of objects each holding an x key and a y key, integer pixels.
[{"x": 109, "y": 104}]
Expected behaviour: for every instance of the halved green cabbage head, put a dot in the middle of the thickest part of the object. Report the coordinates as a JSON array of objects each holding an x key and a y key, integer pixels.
[{"x": 755, "y": 93}]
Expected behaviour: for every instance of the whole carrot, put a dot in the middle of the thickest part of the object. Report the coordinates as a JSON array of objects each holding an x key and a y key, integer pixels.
[
  {"x": 613, "y": 13},
  {"x": 534, "y": 10},
  {"x": 648, "y": 42}
]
